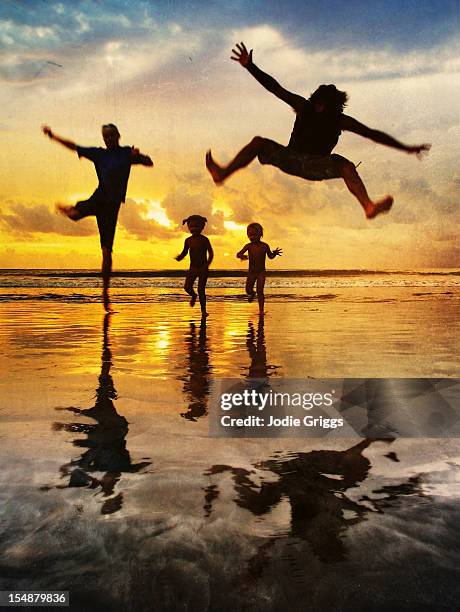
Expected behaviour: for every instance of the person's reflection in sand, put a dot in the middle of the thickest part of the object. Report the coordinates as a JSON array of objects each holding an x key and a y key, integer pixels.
[
  {"x": 255, "y": 343},
  {"x": 257, "y": 374},
  {"x": 104, "y": 440},
  {"x": 197, "y": 379},
  {"x": 315, "y": 484}
]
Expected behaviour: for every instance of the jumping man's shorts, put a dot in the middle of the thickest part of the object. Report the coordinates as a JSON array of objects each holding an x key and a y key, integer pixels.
[
  {"x": 106, "y": 214},
  {"x": 305, "y": 165}
]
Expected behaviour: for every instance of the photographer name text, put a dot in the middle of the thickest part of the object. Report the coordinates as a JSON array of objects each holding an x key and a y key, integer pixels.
[{"x": 253, "y": 400}]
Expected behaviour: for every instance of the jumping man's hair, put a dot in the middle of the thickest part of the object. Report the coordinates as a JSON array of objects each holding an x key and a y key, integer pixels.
[
  {"x": 334, "y": 99},
  {"x": 257, "y": 227},
  {"x": 198, "y": 218},
  {"x": 112, "y": 126}
]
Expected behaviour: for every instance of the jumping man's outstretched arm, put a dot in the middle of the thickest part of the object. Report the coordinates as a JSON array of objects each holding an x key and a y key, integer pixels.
[
  {"x": 139, "y": 158},
  {"x": 69, "y": 144},
  {"x": 244, "y": 57},
  {"x": 351, "y": 125}
]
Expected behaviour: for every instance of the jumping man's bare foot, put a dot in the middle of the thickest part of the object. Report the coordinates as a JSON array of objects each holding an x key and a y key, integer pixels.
[
  {"x": 251, "y": 297},
  {"x": 215, "y": 170},
  {"x": 193, "y": 300},
  {"x": 69, "y": 211},
  {"x": 382, "y": 206}
]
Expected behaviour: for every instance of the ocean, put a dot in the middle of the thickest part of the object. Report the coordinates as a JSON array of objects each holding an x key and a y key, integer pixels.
[{"x": 158, "y": 285}]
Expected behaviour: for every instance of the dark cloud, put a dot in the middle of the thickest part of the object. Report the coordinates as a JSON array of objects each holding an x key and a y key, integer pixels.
[{"x": 26, "y": 220}]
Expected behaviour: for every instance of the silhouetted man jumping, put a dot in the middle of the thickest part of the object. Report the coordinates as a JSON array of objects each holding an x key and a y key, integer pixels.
[
  {"x": 317, "y": 128},
  {"x": 113, "y": 165}
]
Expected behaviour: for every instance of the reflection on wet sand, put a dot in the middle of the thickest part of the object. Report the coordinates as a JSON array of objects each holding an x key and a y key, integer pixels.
[
  {"x": 255, "y": 343},
  {"x": 199, "y": 369},
  {"x": 105, "y": 440},
  {"x": 258, "y": 373},
  {"x": 197, "y": 379},
  {"x": 284, "y": 526},
  {"x": 315, "y": 484}
]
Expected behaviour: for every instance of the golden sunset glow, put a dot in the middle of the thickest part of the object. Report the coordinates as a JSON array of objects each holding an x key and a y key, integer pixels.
[{"x": 174, "y": 98}]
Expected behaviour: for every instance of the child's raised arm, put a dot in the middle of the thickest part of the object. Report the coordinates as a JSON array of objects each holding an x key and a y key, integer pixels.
[
  {"x": 241, "y": 254},
  {"x": 274, "y": 253},
  {"x": 181, "y": 256}
]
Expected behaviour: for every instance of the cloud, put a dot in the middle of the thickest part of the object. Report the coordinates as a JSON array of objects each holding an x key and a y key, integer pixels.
[
  {"x": 53, "y": 25},
  {"x": 13, "y": 34},
  {"x": 26, "y": 220},
  {"x": 137, "y": 38},
  {"x": 26, "y": 70},
  {"x": 287, "y": 204},
  {"x": 275, "y": 50},
  {"x": 183, "y": 202},
  {"x": 90, "y": 42},
  {"x": 134, "y": 220}
]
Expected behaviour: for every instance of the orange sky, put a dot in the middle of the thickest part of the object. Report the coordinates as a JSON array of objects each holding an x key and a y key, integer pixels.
[{"x": 176, "y": 94}]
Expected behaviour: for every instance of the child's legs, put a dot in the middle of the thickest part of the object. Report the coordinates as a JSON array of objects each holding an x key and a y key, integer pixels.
[
  {"x": 189, "y": 281},
  {"x": 260, "y": 290},
  {"x": 202, "y": 280},
  {"x": 250, "y": 282}
]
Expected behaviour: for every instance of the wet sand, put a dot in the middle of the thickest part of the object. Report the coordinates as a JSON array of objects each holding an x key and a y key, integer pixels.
[{"x": 111, "y": 487}]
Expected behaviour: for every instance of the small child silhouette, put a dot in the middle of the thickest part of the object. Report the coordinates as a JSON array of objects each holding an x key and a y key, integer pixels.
[
  {"x": 257, "y": 252},
  {"x": 201, "y": 256}
]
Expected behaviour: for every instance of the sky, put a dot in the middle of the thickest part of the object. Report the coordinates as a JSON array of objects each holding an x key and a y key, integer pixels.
[{"x": 161, "y": 71}]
